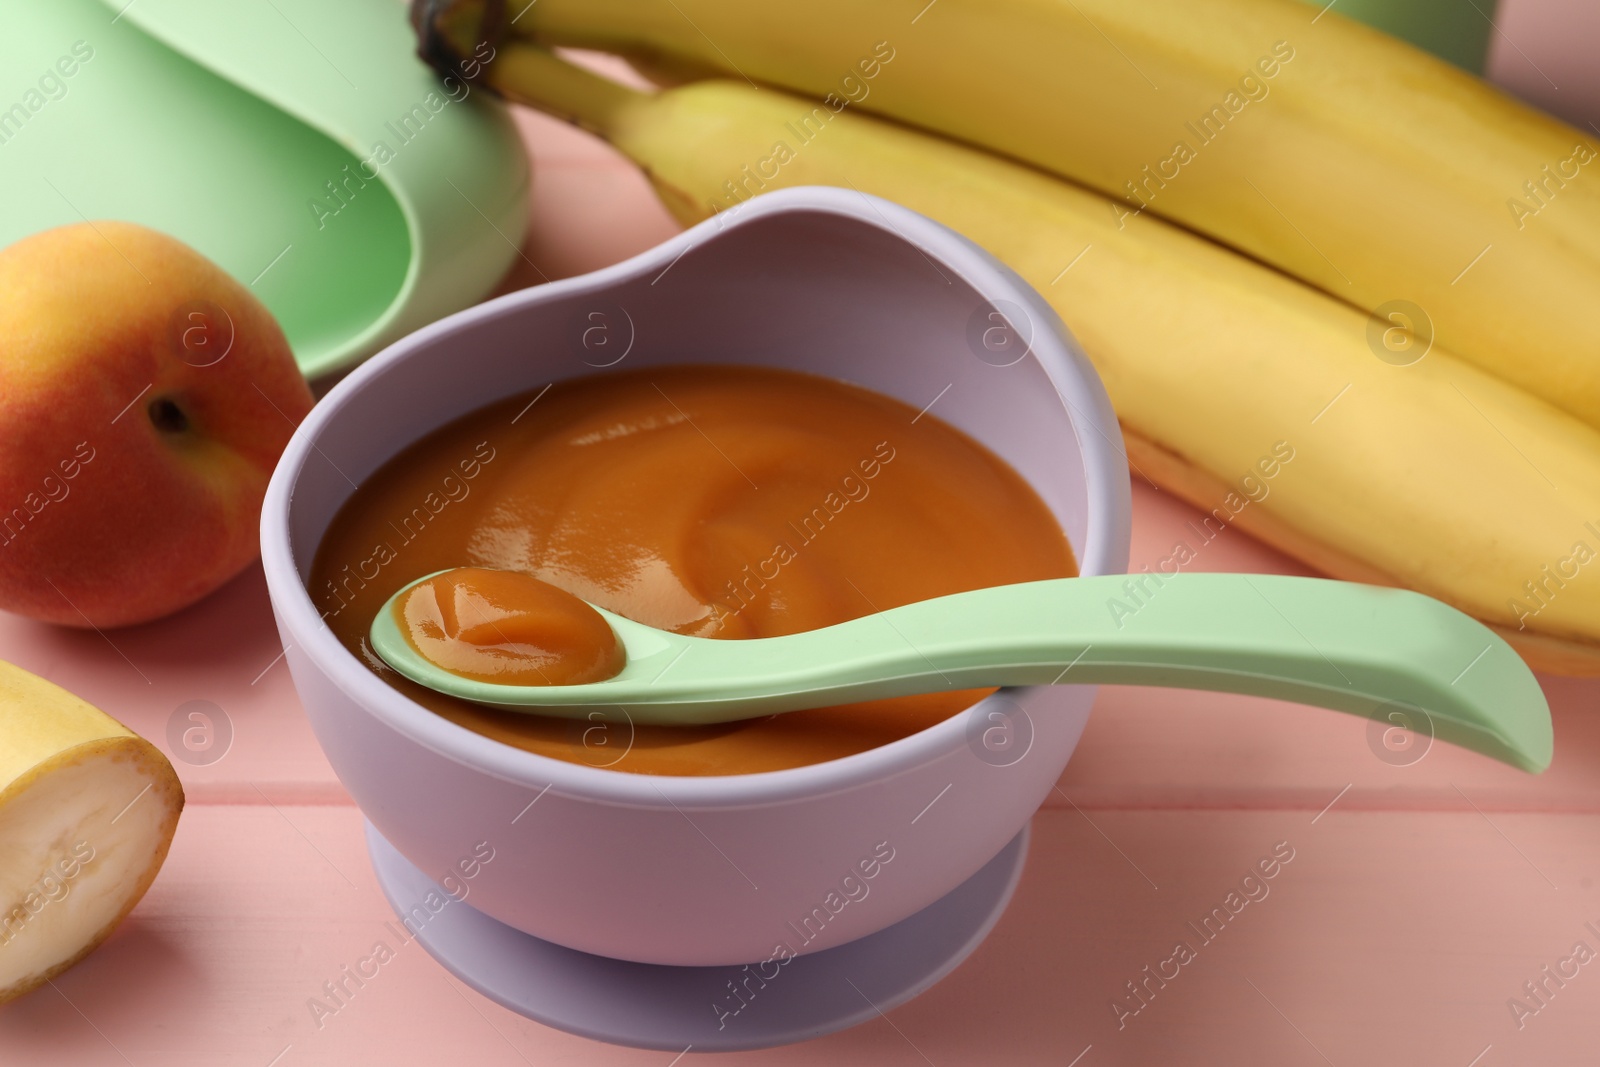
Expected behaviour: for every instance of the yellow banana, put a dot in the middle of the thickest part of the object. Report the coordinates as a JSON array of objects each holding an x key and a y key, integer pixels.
[
  {"x": 87, "y": 812},
  {"x": 1355, "y": 162},
  {"x": 1433, "y": 475}
]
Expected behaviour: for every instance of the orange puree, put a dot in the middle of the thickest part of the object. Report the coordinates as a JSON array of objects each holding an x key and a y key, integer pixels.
[
  {"x": 723, "y": 502},
  {"x": 508, "y": 627}
]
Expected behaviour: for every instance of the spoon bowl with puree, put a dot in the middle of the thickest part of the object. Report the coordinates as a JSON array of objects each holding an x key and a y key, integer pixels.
[{"x": 509, "y": 640}]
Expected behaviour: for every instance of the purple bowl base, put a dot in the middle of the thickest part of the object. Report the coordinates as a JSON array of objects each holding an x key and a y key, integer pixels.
[{"x": 677, "y": 1008}]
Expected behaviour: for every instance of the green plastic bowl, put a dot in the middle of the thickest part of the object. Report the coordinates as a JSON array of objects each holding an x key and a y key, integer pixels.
[
  {"x": 297, "y": 143},
  {"x": 1457, "y": 30}
]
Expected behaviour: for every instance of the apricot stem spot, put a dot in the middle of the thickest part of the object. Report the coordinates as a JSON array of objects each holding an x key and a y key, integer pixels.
[{"x": 167, "y": 416}]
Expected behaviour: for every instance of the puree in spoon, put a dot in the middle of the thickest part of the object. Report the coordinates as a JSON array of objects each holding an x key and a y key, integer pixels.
[
  {"x": 509, "y": 628},
  {"x": 713, "y": 501}
]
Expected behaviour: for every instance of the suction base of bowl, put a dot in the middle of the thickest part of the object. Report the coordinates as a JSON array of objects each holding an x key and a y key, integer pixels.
[{"x": 678, "y": 1008}]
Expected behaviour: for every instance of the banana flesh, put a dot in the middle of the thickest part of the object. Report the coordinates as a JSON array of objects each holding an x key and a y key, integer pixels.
[{"x": 87, "y": 812}]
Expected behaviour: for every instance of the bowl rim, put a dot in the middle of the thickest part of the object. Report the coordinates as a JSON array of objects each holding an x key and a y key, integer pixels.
[{"x": 1088, "y": 410}]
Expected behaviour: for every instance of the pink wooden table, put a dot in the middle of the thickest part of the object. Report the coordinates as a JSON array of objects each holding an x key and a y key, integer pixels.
[{"x": 1423, "y": 892}]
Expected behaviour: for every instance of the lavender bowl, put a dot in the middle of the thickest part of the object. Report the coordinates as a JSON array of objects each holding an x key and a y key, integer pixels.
[{"x": 729, "y": 869}]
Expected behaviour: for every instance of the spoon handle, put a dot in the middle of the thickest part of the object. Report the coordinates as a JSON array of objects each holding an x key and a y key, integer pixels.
[{"x": 1365, "y": 650}]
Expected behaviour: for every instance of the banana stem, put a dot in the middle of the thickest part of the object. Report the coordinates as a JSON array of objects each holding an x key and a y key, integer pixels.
[{"x": 531, "y": 75}]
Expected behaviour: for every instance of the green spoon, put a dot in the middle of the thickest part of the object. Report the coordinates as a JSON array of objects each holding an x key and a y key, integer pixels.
[{"x": 1360, "y": 649}]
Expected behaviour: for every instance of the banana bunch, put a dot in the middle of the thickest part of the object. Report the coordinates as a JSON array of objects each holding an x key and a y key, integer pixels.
[
  {"x": 1374, "y": 171},
  {"x": 1434, "y": 473}
]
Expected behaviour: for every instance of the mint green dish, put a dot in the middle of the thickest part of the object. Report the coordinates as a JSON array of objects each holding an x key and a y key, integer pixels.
[
  {"x": 300, "y": 145},
  {"x": 1456, "y": 30},
  {"x": 1354, "y": 648}
]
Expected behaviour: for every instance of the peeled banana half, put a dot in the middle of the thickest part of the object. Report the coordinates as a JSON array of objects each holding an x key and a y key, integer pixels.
[{"x": 87, "y": 812}]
